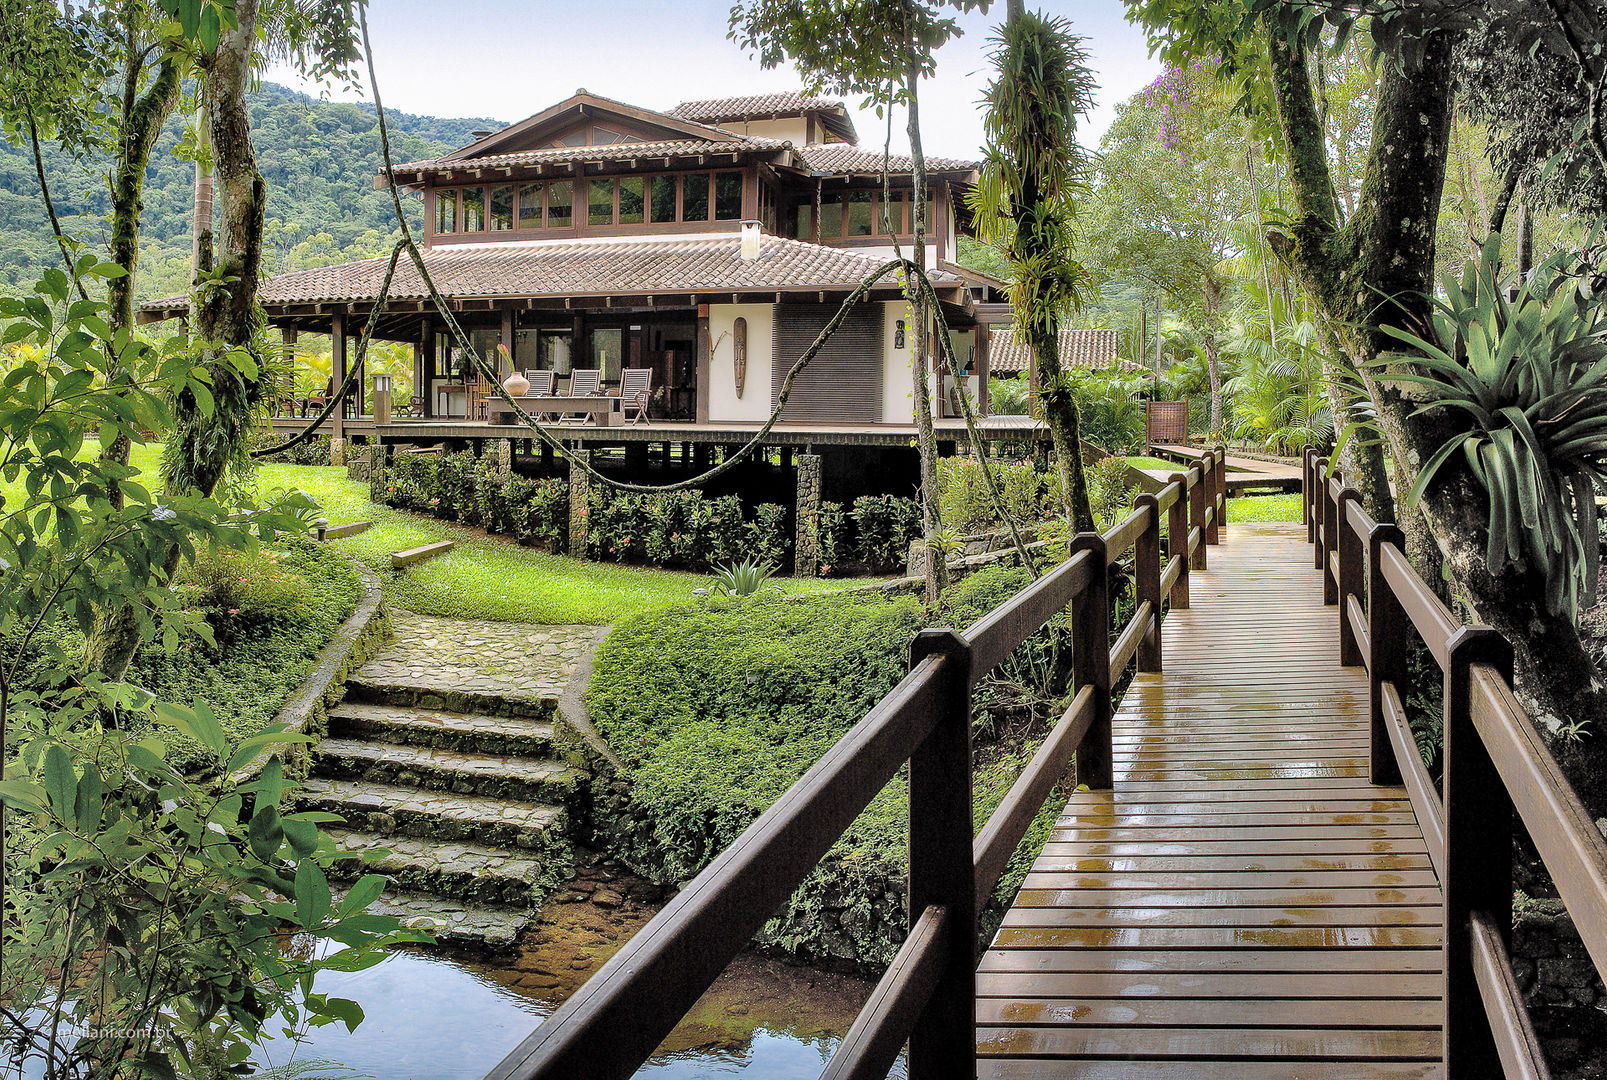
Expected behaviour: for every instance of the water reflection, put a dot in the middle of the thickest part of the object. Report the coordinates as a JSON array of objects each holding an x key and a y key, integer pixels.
[{"x": 438, "y": 1017}]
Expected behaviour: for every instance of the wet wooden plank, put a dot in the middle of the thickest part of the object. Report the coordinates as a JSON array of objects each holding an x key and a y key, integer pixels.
[{"x": 1243, "y": 903}]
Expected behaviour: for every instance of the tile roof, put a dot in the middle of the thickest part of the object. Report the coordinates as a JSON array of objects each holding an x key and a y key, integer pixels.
[
  {"x": 556, "y": 268},
  {"x": 1095, "y": 350},
  {"x": 842, "y": 158},
  {"x": 559, "y": 155},
  {"x": 752, "y": 107}
]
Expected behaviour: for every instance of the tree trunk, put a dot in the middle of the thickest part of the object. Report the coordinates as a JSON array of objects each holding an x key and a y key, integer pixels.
[
  {"x": 1213, "y": 354},
  {"x": 937, "y": 568},
  {"x": 1060, "y": 412}
]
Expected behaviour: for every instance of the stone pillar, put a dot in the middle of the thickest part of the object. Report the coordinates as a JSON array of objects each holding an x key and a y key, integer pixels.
[
  {"x": 579, "y": 501},
  {"x": 806, "y": 546},
  {"x": 378, "y": 474},
  {"x": 502, "y": 455},
  {"x": 337, "y": 447}
]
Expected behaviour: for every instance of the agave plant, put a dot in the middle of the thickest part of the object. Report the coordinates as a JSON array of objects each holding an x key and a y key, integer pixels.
[
  {"x": 743, "y": 579},
  {"x": 1527, "y": 377}
]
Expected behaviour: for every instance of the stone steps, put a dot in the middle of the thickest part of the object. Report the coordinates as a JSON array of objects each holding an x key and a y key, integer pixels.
[
  {"x": 376, "y": 690},
  {"x": 391, "y": 810},
  {"x": 415, "y": 726},
  {"x": 453, "y": 922},
  {"x": 485, "y": 775},
  {"x": 479, "y": 874}
]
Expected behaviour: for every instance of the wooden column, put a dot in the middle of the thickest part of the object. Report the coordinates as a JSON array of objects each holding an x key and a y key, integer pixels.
[
  {"x": 1147, "y": 580},
  {"x": 1352, "y": 571},
  {"x": 337, "y": 352},
  {"x": 427, "y": 342},
  {"x": 506, "y": 368},
  {"x": 704, "y": 364},
  {"x": 984, "y": 404},
  {"x": 1388, "y": 627},
  {"x": 1177, "y": 540},
  {"x": 1090, "y": 661}
]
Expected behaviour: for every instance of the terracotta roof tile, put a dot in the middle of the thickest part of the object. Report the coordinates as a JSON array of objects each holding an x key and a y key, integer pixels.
[
  {"x": 1095, "y": 350},
  {"x": 559, "y": 155},
  {"x": 578, "y": 267},
  {"x": 842, "y": 158}
]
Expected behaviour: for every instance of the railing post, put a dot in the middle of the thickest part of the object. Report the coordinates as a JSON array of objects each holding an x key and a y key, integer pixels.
[
  {"x": 1478, "y": 853},
  {"x": 1208, "y": 477},
  {"x": 1177, "y": 540},
  {"x": 1387, "y": 629},
  {"x": 1330, "y": 541},
  {"x": 1147, "y": 580},
  {"x": 941, "y": 871},
  {"x": 1318, "y": 467},
  {"x": 1222, "y": 487},
  {"x": 1090, "y": 663},
  {"x": 1196, "y": 497},
  {"x": 1352, "y": 570},
  {"x": 1307, "y": 454}
]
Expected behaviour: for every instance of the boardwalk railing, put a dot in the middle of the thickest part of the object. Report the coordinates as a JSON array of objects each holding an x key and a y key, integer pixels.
[
  {"x": 1495, "y": 763},
  {"x": 927, "y": 997}
]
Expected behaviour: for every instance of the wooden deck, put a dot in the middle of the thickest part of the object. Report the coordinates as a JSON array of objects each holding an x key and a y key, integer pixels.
[
  {"x": 1244, "y": 904},
  {"x": 1244, "y": 473}
]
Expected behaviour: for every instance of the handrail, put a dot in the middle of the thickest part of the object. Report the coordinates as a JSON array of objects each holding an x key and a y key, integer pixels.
[
  {"x": 928, "y": 995},
  {"x": 1496, "y": 767}
]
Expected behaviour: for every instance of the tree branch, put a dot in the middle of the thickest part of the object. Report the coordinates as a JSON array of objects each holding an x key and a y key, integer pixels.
[{"x": 1593, "y": 84}]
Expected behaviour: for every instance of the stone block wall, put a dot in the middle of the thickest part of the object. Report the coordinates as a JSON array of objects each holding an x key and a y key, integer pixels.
[{"x": 806, "y": 545}]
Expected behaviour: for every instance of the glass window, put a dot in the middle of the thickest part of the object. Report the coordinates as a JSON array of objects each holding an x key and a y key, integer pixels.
[
  {"x": 803, "y": 221},
  {"x": 560, "y": 204},
  {"x": 695, "y": 197},
  {"x": 890, "y": 216},
  {"x": 600, "y": 204},
  {"x": 727, "y": 196},
  {"x": 859, "y": 213},
  {"x": 530, "y": 206},
  {"x": 607, "y": 347},
  {"x": 473, "y": 209},
  {"x": 831, "y": 217},
  {"x": 661, "y": 196},
  {"x": 446, "y": 210},
  {"x": 502, "y": 208},
  {"x": 554, "y": 351},
  {"x": 631, "y": 206}
]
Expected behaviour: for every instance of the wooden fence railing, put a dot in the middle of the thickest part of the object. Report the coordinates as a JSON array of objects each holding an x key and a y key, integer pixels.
[
  {"x": 1495, "y": 763},
  {"x": 927, "y": 997}
]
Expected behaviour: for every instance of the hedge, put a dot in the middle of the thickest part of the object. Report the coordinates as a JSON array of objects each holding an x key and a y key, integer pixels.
[{"x": 718, "y": 708}]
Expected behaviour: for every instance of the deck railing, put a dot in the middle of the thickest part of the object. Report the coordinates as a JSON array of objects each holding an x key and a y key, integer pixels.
[
  {"x": 1495, "y": 763},
  {"x": 927, "y": 997}
]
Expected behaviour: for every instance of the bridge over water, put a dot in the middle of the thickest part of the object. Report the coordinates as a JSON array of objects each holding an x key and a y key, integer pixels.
[{"x": 1256, "y": 878}]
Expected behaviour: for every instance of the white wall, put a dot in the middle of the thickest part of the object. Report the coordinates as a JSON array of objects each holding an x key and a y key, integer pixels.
[
  {"x": 792, "y": 128},
  {"x": 898, "y": 375},
  {"x": 754, "y": 404}
]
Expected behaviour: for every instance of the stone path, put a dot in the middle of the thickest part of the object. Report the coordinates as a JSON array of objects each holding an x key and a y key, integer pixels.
[{"x": 468, "y": 656}]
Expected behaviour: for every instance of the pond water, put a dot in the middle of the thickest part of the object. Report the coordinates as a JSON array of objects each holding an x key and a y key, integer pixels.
[{"x": 444, "y": 1016}]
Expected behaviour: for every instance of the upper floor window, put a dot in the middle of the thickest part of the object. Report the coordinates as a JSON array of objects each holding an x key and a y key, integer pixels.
[
  {"x": 501, "y": 216},
  {"x": 604, "y": 201}
]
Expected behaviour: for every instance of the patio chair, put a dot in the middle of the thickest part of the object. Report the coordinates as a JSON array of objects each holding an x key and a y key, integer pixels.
[
  {"x": 480, "y": 395},
  {"x": 635, "y": 390},
  {"x": 542, "y": 384},
  {"x": 583, "y": 382}
]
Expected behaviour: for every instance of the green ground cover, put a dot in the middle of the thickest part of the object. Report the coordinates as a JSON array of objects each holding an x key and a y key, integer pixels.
[
  {"x": 719, "y": 708},
  {"x": 1264, "y": 508},
  {"x": 1159, "y": 464}
]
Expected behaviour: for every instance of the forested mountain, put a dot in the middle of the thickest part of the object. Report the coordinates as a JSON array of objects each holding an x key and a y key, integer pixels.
[{"x": 319, "y": 159}]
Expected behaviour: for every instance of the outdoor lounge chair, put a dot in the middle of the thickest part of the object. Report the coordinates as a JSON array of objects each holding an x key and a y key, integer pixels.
[
  {"x": 542, "y": 384},
  {"x": 635, "y": 390},
  {"x": 583, "y": 382}
]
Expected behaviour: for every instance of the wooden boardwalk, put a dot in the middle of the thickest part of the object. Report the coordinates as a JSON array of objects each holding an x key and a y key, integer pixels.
[{"x": 1244, "y": 904}]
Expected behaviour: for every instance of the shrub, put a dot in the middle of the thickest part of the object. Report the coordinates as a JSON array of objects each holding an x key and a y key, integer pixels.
[
  {"x": 836, "y": 539},
  {"x": 315, "y": 451},
  {"x": 772, "y": 542},
  {"x": 965, "y": 503},
  {"x": 243, "y": 586},
  {"x": 1010, "y": 396},
  {"x": 885, "y": 525}
]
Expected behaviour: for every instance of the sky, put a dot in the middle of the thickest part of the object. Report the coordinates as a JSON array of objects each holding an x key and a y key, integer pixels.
[{"x": 507, "y": 59}]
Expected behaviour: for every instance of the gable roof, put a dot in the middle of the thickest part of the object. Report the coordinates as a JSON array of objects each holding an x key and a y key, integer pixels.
[
  {"x": 1093, "y": 350},
  {"x": 576, "y": 105},
  {"x": 769, "y": 107},
  {"x": 559, "y": 155}
]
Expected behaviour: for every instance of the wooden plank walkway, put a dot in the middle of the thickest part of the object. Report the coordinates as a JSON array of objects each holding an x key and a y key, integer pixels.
[
  {"x": 1243, "y": 472},
  {"x": 1244, "y": 904}
]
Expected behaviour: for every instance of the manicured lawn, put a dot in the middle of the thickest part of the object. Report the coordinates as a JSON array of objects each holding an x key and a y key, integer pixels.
[
  {"x": 1160, "y": 464},
  {"x": 490, "y": 577},
  {"x": 1264, "y": 508}
]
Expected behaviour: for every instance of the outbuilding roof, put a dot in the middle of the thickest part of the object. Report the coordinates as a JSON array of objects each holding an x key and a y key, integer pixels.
[{"x": 1095, "y": 350}]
